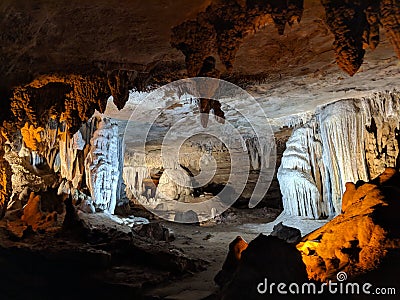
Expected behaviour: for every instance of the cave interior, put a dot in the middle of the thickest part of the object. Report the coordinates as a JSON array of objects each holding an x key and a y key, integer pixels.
[{"x": 193, "y": 149}]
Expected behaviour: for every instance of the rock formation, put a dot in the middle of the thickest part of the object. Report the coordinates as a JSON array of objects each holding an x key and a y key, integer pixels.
[
  {"x": 34, "y": 215},
  {"x": 288, "y": 234},
  {"x": 346, "y": 141},
  {"x": 231, "y": 263},
  {"x": 222, "y": 27},
  {"x": 102, "y": 165},
  {"x": 265, "y": 257},
  {"x": 91, "y": 159},
  {"x": 41, "y": 81},
  {"x": 364, "y": 240},
  {"x": 356, "y": 26},
  {"x": 48, "y": 156},
  {"x": 5, "y": 181},
  {"x": 177, "y": 180}
]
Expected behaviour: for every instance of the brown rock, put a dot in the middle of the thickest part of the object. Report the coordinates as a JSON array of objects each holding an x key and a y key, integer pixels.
[
  {"x": 266, "y": 257},
  {"x": 363, "y": 238},
  {"x": 224, "y": 25},
  {"x": 5, "y": 182},
  {"x": 35, "y": 217},
  {"x": 390, "y": 19},
  {"x": 355, "y": 25},
  {"x": 236, "y": 247}
]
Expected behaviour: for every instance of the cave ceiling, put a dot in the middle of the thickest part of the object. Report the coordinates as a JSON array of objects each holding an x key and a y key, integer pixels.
[{"x": 63, "y": 59}]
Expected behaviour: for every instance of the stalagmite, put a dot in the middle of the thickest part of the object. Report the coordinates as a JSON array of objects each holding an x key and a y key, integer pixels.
[
  {"x": 102, "y": 165},
  {"x": 346, "y": 141},
  {"x": 89, "y": 158}
]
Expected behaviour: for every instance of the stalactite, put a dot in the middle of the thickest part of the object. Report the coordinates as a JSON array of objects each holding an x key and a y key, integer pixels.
[
  {"x": 355, "y": 25},
  {"x": 390, "y": 19},
  {"x": 89, "y": 158},
  {"x": 224, "y": 25}
]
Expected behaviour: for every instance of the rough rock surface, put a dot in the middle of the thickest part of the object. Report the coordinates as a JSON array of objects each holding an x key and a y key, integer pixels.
[
  {"x": 189, "y": 217},
  {"x": 35, "y": 217},
  {"x": 86, "y": 162},
  {"x": 289, "y": 234},
  {"x": 224, "y": 25},
  {"x": 364, "y": 240},
  {"x": 231, "y": 263},
  {"x": 155, "y": 231},
  {"x": 5, "y": 181},
  {"x": 265, "y": 257},
  {"x": 177, "y": 180},
  {"x": 63, "y": 61},
  {"x": 346, "y": 141},
  {"x": 71, "y": 57},
  {"x": 104, "y": 261},
  {"x": 355, "y": 25},
  {"x": 102, "y": 165}
]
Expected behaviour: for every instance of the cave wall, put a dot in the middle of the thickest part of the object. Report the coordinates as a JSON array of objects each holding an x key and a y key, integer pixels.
[
  {"x": 71, "y": 84},
  {"x": 346, "y": 141},
  {"x": 196, "y": 155}
]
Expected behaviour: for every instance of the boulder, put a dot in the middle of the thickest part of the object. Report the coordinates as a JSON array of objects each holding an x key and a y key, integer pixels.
[
  {"x": 289, "y": 234},
  {"x": 154, "y": 231},
  {"x": 231, "y": 262},
  {"x": 265, "y": 258},
  {"x": 189, "y": 216}
]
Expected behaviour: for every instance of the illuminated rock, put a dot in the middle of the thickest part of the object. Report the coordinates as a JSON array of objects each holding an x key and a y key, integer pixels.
[
  {"x": 236, "y": 247},
  {"x": 265, "y": 258},
  {"x": 35, "y": 217},
  {"x": 102, "y": 165},
  {"x": 364, "y": 238},
  {"x": 346, "y": 141}
]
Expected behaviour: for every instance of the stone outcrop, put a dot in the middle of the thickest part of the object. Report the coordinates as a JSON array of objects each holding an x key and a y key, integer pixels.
[
  {"x": 347, "y": 141},
  {"x": 364, "y": 240},
  {"x": 102, "y": 165},
  {"x": 266, "y": 257},
  {"x": 35, "y": 217},
  {"x": 231, "y": 263},
  {"x": 224, "y": 25},
  {"x": 69, "y": 98}
]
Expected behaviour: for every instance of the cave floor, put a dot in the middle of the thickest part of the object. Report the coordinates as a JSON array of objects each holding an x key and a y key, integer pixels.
[
  {"x": 114, "y": 262},
  {"x": 209, "y": 242}
]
